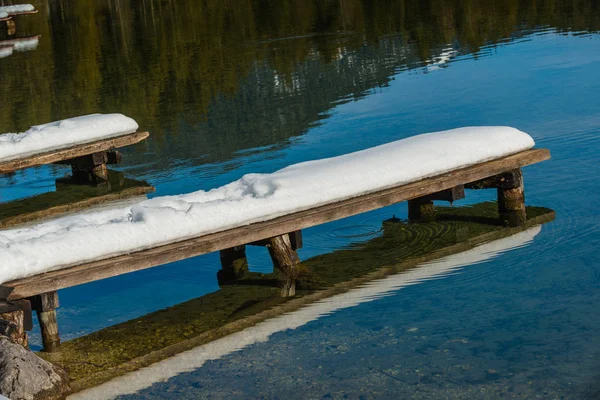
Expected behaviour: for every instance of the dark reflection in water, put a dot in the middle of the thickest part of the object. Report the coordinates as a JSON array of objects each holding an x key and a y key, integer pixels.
[{"x": 212, "y": 78}]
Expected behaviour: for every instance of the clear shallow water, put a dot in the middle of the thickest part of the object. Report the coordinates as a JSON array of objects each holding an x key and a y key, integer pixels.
[{"x": 291, "y": 85}]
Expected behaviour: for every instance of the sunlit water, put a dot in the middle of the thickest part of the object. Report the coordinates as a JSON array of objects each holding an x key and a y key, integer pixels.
[{"x": 261, "y": 91}]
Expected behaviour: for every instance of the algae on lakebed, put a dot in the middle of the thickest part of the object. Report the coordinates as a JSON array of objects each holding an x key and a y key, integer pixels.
[{"x": 103, "y": 355}]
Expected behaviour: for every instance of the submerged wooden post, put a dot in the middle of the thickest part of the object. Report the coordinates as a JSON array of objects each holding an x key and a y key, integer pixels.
[
  {"x": 16, "y": 321},
  {"x": 286, "y": 260},
  {"x": 421, "y": 210},
  {"x": 11, "y": 27},
  {"x": 92, "y": 168},
  {"x": 511, "y": 198},
  {"x": 45, "y": 306},
  {"x": 234, "y": 265}
]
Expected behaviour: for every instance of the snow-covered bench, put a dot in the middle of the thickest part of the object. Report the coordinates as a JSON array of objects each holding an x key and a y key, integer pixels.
[
  {"x": 263, "y": 208},
  {"x": 85, "y": 143},
  {"x": 7, "y": 12}
]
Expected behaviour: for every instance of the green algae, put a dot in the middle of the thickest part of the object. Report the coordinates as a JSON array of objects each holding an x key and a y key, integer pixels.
[{"x": 100, "y": 356}]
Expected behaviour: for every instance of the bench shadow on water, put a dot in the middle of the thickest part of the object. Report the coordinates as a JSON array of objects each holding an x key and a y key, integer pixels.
[{"x": 402, "y": 246}]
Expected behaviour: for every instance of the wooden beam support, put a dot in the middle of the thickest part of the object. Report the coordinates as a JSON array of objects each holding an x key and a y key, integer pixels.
[
  {"x": 114, "y": 266},
  {"x": 511, "y": 198},
  {"x": 295, "y": 239},
  {"x": 234, "y": 265},
  {"x": 286, "y": 260},
  {"x": 450, "y": 195}
]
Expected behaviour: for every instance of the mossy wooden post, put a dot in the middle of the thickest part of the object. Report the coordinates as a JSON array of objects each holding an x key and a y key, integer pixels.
[
  {"x": 92, "y": 168},
  {"x": 11, "y": 27},
  {"x": 286, "y": 260},
  {"x": 45, "y": 306},
  {"x": 234, "y": 265},
  {"x": 16, "y": 322},
  {"x": 421, "y": 210},
  {"x": 511, "y": 198}
]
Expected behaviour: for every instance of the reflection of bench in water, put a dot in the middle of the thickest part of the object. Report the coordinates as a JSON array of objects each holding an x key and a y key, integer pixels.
[
  {"x": 18, "y": 44},
  {"x": 401, "y": 248},
  {"x": 502, "y": 173},
  {"x": 71, "y": 197}
]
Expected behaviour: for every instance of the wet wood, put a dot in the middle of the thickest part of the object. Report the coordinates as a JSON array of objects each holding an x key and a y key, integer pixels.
[
  {"x": 45, "y": 305},
  {"x": 286, "y": 260},
  {"x": 234, "y": 265},
  {"x": 421, "y": 210},
  {"x": 13, "y": 324},
  {"x": 295, "y": 239},
  {"x": 511, "y": 198},
  {"x": 72, "y": 152},
  {"x": 96, "y": 270}
]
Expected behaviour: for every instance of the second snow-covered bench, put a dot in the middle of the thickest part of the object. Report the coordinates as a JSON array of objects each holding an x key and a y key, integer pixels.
[
  {"x": 264, "y": 209},
  {"x": 85, "y": 143}
]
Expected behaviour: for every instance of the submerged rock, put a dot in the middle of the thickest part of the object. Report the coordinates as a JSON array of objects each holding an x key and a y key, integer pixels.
[{"x": 25, "y": 376}]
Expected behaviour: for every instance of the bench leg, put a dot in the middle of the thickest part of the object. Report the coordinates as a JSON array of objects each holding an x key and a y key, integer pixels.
[
  {"x": 45, "y": 306},
  {"x": 421, "y": 210},
  {"x": 511, "y": 198},
  {"x": 286, "y": 260},
  {"x": 15, "y": 324},
  {"x": 11, "y": 27},
  {"x": 234, "y": 265}
]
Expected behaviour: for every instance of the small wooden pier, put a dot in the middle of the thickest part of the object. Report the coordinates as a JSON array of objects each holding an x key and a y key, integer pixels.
[{"x": 282, "y": 235}]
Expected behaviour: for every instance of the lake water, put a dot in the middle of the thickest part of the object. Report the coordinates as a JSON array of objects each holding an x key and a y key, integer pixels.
[{"x": 228, "y": 88}]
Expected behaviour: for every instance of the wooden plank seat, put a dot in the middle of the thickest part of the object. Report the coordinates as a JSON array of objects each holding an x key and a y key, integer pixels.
[
  {"x": 95, "y": 150},
  {"x": 502, "y": 174}
]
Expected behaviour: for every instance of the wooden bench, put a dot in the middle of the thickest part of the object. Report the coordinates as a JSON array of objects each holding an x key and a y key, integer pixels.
[{"x": 503, "y": 174}]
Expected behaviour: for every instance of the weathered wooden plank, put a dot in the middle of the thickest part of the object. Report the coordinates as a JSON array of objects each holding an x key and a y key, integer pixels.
[
  {"x": 72, "y": 152},
  {"x": 92, "y": 271}
]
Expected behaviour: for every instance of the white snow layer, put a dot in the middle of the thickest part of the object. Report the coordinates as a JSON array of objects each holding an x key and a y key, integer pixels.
[
  {"x": 76, "y": 239},
  {"x": 6, "y": 51},
  {"x": 3, "y": 14},
  {"x": 17, "y": 9},
  {"x": 64, "y": 134}
]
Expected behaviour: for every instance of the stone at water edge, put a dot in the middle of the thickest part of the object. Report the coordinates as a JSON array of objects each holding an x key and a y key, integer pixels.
[{"x": 25, "y": 376}]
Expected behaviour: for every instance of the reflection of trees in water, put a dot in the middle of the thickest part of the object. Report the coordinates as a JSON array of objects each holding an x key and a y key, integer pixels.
[{"x": 253, "y": 66}]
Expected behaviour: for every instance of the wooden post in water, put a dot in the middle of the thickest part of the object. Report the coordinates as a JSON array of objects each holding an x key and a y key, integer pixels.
[
  {"x": 421, "y": 210},
  {"x": 511, "y": 198},
  {"x": 286, "y": 259},
  {"x": 45, "y": 306},
  {"x": 92, "y": 168},
  {"x": 234, "y": 265}
]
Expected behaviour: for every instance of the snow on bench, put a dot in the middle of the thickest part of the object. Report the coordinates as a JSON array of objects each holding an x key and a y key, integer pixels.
[
  {"x": 23, "y": 43},
  {"x": 17, "y": 9},
  {"x": 67, "y": 139},
  {"x": 64, "y": 134},
  {"x": 293, "y": 192}
]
